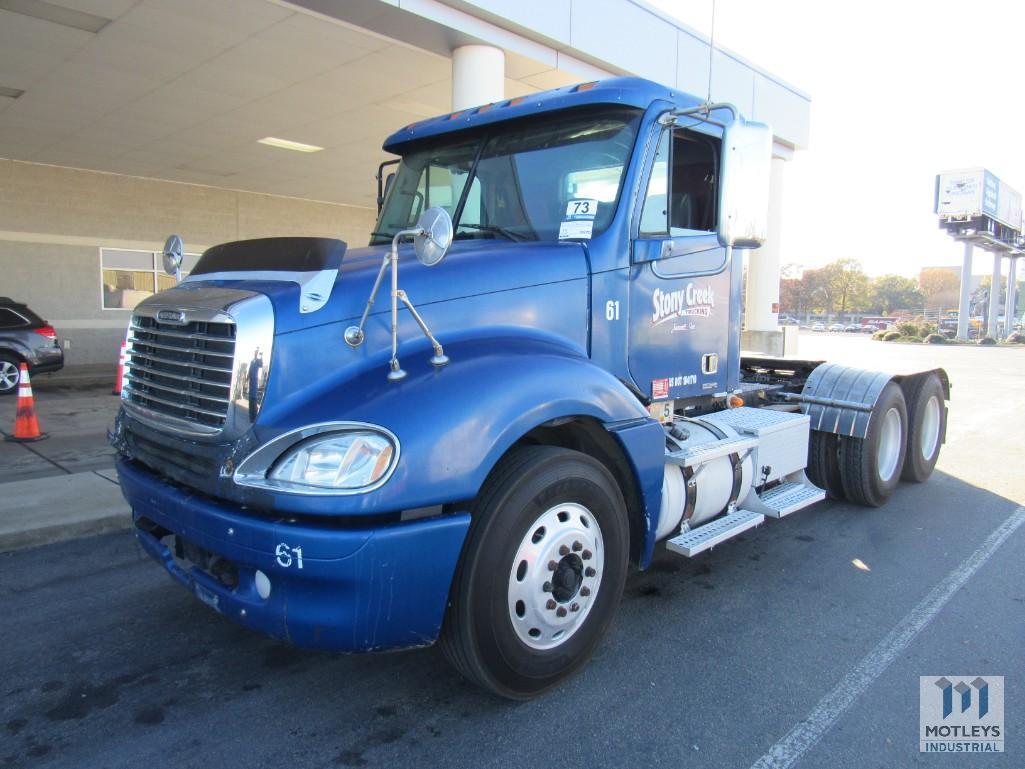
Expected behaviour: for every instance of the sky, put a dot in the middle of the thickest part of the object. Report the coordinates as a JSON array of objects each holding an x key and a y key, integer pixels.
[{"x": 900, "y": 91}]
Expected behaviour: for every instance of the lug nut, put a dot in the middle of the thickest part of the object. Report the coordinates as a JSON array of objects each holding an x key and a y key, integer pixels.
[
  {"x": 563, "y": 550},
  {"x": 551, "y": 604},
  {"x": 589, "y": 572},
  {"x": 547, "y": 587},
  {"x": 552, "y": 566},
  {"x": 561, "y": 611},
  {"x": 586, "y": 555},
  {"x": 585, "y": 591},
  {"x": 577, "y": 547},
  {"x": 575, "y": 607}
]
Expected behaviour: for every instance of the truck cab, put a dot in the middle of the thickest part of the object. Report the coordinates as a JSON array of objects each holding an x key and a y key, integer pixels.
[{"x": 555, "y": 385}]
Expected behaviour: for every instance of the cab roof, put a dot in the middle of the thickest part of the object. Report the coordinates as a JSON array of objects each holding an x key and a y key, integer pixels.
[{"x": 627, "y": 91}]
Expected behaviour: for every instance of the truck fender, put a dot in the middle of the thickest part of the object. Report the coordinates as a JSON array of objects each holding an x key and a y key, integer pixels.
[
  {"x": 840, "y": 399},
  {"x": 454, "y": 423}
]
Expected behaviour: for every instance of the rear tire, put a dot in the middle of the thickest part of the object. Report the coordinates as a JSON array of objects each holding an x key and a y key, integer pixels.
[
  {"x": 9, "y": 373},
  {"x": 498, "y": 600},
  {"x": 870, "y": 467},
  {"x": 927, "y": 426},
  {"x": 824, "y": 463}
]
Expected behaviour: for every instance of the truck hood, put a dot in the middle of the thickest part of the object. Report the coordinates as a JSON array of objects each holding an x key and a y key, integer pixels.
[{"x": 471, "y": 268}]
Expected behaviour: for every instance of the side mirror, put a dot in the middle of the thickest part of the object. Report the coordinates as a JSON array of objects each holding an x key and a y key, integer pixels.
[
  {"x": 435, "y": 236},
  {"x": 744, "y": 184},
  {"x": 173, "y": 256}
]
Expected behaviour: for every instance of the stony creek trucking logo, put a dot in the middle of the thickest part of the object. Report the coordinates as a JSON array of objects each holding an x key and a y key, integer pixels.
[
  {"x": 961, "y": 714},
  {"x": 692, "y": 301}
]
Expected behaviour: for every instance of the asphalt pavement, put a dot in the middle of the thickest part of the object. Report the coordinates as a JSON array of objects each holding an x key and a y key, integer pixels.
[{"x": 772, "y": 640}]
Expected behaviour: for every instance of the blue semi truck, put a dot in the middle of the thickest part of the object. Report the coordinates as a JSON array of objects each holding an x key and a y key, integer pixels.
[{"x": 551, "y": 386}]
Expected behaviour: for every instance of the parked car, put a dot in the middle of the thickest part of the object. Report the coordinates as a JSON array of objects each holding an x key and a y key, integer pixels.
[
  {"x": 836, "y": 327},
  {"x": 25, "y": 338},
  {"x": 852, "y": 328},
  {"x": 869, "y": 328},
  {"x": 818, "y": 326}
]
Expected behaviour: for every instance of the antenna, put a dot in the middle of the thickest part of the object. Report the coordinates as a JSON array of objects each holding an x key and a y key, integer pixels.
[{"x": 711, "y": 52}]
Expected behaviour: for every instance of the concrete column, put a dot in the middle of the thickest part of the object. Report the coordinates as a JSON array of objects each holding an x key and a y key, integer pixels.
[
  {"x": 1009, "y": 307},
  {"x": 994, "y": 298},
  {"x": 963, "y": 302},
  {"x": 478, "y": 76},
  {"x": 761, "y": 305}
]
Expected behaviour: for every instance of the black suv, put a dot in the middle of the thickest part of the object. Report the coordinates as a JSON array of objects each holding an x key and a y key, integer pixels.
[{"x": 25, "y": 337}]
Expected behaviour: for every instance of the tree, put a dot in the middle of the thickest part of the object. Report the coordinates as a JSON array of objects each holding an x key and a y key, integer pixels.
[
  {"x": 840, "y": 285},
  {"x": 794, "y": 291},
  {"x": 940, "y": 286},
  {"x": 895, "y": 292}
]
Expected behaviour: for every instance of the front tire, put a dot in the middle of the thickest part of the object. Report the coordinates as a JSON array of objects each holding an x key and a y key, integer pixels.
[
  {"x": 541, "y": 575},
  {"x": 870, "y": 467}
]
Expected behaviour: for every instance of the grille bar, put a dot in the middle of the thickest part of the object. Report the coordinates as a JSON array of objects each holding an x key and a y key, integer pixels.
[
  {"x": 185, "y": 407},
  {"x": 179, "y": 348},
  {"x": 183, "y": 363},
  {"x": 182, "y": 371},
  {"x": 146, "y": 369},
  {"x": 190, "y": 393}
]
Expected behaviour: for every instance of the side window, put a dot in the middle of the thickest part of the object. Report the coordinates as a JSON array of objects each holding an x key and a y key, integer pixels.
[
  {"x": 692, "y": 197},
  {"x": 438, "y": 186},
  {"x": 655, "y": 214},
  {"x": 681, "y": 197},
  {"x": 11, "y": 319}
]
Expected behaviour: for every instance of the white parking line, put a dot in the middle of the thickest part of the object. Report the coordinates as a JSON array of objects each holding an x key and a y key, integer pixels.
[{"x": 821, "y": 719}]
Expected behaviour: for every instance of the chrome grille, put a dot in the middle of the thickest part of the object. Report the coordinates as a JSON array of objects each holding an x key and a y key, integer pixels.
[{"x": 181, "y": 370}]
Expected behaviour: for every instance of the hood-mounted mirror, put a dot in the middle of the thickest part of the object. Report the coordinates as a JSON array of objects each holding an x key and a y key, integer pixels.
[
  {"x": 431, "y": 243},
  {"x": 432, "y": 237},
  {"x": 173, "y": 247}
]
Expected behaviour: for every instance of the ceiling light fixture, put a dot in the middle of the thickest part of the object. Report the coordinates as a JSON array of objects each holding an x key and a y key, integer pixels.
[
  {"x": 58, "y": 14},
  {"x": 287, "y": 144}
]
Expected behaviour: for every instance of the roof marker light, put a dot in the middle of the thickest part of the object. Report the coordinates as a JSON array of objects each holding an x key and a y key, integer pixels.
[{"x": 585, "y": 86}]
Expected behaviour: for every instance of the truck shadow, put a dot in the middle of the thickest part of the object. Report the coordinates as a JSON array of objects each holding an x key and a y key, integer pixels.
[{"x": 140, "y": 672}]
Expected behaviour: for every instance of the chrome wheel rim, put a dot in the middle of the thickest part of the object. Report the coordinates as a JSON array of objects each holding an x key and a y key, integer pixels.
[
  {"x": 930, "y": 428},
  {"x": 8, "y": 375},
  {"x": 555, "y": 576},
  {"x": 889, "y": 445}
]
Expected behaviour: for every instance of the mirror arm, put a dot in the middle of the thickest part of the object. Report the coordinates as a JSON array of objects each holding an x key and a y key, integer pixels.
[
  {"x": 354, "y": 334},
  {"x": 439, "y": 358},
  {"x": 672, "y": 117}
]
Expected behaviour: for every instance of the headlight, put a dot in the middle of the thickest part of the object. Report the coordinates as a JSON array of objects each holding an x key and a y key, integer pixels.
[{"x": 350, "y": 460}]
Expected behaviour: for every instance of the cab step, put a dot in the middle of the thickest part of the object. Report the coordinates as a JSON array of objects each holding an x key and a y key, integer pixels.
[
  {"x": 709, "y": 535},
  {"x": 788, "y": 498},
  {"x": 691, "y": 456}
]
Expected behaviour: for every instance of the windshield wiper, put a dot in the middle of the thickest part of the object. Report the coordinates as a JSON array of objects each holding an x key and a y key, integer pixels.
[{"x": 505, "y": 233}]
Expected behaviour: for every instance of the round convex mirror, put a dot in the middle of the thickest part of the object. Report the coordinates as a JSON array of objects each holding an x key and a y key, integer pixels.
[
  {"x": 173, "y": 255},
  {"x": 435, "y": 238}
]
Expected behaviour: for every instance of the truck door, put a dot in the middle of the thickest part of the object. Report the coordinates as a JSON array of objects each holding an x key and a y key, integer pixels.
[{"x": 681, "y": 306}]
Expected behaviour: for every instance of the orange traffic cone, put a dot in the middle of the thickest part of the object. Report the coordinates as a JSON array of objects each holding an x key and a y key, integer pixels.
[
  {"x": 26, "y": 424},
  {"x": 120, "y": 369}
]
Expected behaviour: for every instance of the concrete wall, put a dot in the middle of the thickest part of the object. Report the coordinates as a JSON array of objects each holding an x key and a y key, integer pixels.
[{"x": 54, "y": 221}]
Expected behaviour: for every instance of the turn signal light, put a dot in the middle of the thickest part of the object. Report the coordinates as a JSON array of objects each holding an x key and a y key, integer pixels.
[
  {"x": 735, "y": 401},
  {"x": 48, "y": 331}
]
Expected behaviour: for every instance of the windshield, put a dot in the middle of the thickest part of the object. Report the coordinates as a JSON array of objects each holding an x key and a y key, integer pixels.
[{"x": 558, "y": 179}]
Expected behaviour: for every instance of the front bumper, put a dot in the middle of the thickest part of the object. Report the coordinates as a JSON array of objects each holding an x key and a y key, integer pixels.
[{"x": 348, "y": 590}]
